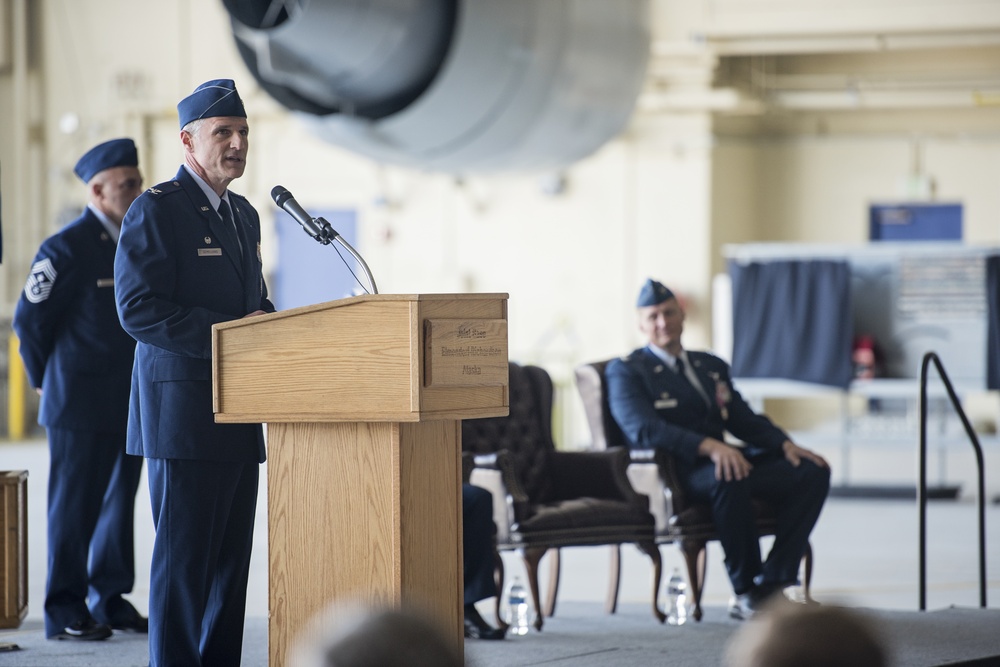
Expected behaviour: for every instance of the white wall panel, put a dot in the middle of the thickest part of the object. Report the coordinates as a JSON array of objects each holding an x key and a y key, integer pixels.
[{"x": 757, "y": 19}]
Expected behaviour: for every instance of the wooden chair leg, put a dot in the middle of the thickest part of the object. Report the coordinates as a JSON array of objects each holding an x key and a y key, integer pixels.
[
  {"x": 614, "y": 579},
  {"x": 807, "y": 557},
  {"x": 498, "y": 577},
  {"x": 653, "y": 551},
  {"x": 554, "y": 566},
  {"x": 532, "y": 557},
  {"x": 702, "y": 571},
  {"x": 694, "y": 558}
]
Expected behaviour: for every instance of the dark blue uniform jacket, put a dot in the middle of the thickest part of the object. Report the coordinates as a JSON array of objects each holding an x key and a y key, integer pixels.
[
  {"x": 178, "y": 271},
  {"x": 656, "y": 407},
  {"x": 71, "y": 341}
]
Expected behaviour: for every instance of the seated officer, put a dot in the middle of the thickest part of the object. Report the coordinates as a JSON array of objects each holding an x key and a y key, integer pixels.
[{"x": 663, "y": 396}]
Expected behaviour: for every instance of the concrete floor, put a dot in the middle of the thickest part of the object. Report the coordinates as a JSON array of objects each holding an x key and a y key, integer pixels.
[{"x": 865, "y": 557}]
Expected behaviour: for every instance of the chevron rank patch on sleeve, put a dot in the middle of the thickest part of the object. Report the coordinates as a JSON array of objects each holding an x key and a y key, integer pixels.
[{"x": 40, "y": 281}]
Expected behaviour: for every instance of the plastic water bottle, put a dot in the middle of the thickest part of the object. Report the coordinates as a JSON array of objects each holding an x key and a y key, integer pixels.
[
  {"x": 677, "y": 599},
  {"x": 517, "y": 608}
]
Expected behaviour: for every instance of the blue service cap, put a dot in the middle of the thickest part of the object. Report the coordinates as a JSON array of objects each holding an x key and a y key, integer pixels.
[
  {"x": 653, "y": 293},
  {"x": 114, "y": 153},
  {"x": 217, "y": 97}
]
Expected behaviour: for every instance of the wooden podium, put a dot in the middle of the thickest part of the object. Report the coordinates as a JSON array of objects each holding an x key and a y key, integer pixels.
[{"x": 363, "y": 399}]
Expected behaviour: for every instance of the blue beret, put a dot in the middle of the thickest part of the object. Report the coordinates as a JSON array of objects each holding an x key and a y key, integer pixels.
[
  {"x": 114, "y": 153},
  {"x": 212, "y": 98},
  {"x": 653, "y": 293}
]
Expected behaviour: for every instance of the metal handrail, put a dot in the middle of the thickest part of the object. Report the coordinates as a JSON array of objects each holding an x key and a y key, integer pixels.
[{"x": 922, "y": 487}]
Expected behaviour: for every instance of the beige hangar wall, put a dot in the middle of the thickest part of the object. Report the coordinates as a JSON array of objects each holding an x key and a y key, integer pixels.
[{"x": 709, "y": 158}]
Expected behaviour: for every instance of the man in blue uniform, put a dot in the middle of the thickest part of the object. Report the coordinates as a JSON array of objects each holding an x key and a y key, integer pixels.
[
  {"x": 189, "y": 257},
  {"x": 665, "y": 396},
  {"x": 79, "y": 360},
  {"x": 478, "y": 559}
]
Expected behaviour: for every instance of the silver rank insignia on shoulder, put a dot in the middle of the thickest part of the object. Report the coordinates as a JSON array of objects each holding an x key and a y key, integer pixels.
[
  {"x": 155, "y": 191},
  {"x": 40, "y": 281}
]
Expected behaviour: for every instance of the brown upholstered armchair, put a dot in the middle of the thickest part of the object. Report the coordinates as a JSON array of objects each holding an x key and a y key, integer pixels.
[
  {"x": 546, "y": 499},
  {"x": 652, "y": 473}
]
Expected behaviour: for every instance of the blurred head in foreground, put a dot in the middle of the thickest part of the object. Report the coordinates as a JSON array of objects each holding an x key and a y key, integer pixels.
[
  {"x": 352, "y": 636},
  {"x": 789, "y": 635}
]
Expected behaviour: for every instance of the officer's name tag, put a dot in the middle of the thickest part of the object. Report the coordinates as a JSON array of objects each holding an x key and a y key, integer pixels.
[
  {"x": 209, "y": 252},
  {"x": 665, "y": 403},
  {"x": 105, "y": 282}
]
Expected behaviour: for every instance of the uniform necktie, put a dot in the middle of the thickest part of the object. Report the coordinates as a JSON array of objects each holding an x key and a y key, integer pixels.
[
  {"x": 227, "y": 217},
  {"x": 682, "y": 371}
]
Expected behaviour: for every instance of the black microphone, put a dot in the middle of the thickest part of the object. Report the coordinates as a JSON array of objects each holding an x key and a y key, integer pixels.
[
  {"x": 284, "y": 199},
  {"x": 319, "y": 229}
]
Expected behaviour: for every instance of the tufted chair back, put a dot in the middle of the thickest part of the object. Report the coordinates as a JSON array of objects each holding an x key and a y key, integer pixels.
[{"x": 526, "y": 433}]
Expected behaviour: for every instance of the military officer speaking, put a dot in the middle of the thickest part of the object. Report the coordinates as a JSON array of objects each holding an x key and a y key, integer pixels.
[
  {"x": 79, "y": 359},
  {"x": 189, "y": 258}
]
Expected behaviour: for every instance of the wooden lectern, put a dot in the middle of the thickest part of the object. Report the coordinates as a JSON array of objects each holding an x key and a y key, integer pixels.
[{"x": 363, "y": 399}]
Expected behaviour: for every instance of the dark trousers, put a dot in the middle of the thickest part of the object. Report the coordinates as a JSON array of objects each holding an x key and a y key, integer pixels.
[
  {"x": 203, "y": 512},
  {"x": 797, "y": 494},
  {"x": 91, "y": 498},
  {"x": 477, "y": 543}
]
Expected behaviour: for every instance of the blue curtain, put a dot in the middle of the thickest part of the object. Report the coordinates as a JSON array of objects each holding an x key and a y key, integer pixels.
[
  {"x": 793, "y": 320},
  {"x": 993, "y": 322}
]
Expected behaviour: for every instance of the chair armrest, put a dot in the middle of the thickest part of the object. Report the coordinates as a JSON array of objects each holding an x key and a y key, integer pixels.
[
  {"x": 495, "y": 473},
  {"x": 502, "y": 513},
  {"x": 644, "y": 475},
  {"x": 503, "y": 463},
  {"x": 597, "y": 474},
  {"x": 671, "y": 480}
]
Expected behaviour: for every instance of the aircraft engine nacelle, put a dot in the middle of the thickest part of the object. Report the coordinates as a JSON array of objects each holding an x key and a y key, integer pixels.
[{"x": 452, "y": 85}]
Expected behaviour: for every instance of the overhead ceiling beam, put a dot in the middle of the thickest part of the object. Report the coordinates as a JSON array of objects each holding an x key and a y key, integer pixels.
[{"x": 771, "y": 44}]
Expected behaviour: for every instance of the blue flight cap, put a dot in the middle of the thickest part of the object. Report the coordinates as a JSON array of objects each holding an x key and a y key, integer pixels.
[
  {"x": 114, "y": 153},
  {"x": 653, "y": 293},
  {"x": 212, "y": 98}
]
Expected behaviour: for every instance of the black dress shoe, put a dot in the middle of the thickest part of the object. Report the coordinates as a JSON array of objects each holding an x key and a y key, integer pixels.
[
  {"x": 86, "y": 630},
  {"x": 137, "y": 623},
  {"x": 477, "y": 628}
]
